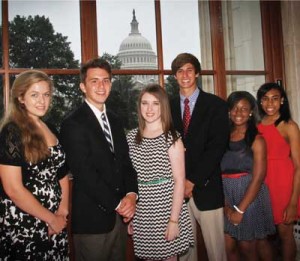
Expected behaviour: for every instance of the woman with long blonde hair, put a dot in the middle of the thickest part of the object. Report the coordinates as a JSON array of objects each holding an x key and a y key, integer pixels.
[{"x": 34, "y": 185}]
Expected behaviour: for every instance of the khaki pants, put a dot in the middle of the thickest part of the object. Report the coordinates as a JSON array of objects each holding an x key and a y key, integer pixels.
[{"x": 212, "y": 226}]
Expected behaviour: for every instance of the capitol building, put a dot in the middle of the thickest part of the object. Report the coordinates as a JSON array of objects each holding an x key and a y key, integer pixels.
[{"x": 136, "y": 52}]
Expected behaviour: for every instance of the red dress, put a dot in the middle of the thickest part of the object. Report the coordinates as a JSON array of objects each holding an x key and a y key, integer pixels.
[{"x": 280, "y": 170}]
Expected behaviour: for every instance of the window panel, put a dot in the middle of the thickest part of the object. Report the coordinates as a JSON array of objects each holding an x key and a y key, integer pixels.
[
  {"x": 186, "y": 28},
  {"x": 124, "y": 95},
  {"x": 67, "y": 96},
  {"x": 44, "y": 34},
  {"x": 242, "y": 35},
  {"x": 128, "y": 30},
  {"x": 249, "y": 83},
  {"x": 207, "y": 83}
]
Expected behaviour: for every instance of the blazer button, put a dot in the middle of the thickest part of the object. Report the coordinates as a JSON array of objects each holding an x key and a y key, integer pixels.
[{"x": 117, "y": 189}]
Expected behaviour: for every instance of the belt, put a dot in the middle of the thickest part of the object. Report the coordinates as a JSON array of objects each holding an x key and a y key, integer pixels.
[
  {"x": 154, "y": 181},
  {"x": 234, "y": 175}
]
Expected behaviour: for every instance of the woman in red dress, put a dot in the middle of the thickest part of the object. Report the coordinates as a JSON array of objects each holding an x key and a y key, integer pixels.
[{"x": 283, "y": 169}]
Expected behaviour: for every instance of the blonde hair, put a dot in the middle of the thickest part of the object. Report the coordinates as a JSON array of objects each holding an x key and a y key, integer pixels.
[{"x": 35, "y": 147}]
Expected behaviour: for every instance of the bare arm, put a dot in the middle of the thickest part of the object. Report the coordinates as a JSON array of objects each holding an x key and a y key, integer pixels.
[
  {"x": 176, "y": 155},
  {"x": 293, "y": 136},
  {"x": 258, "y": 175},
  {"x": 11, "y": 178}
]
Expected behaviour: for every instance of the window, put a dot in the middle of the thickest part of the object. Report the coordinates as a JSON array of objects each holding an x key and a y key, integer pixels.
[
  {"x": 140, "y": 39},
  {"x": 243, "y": 44},
  {"x": 40, "y": 38}
]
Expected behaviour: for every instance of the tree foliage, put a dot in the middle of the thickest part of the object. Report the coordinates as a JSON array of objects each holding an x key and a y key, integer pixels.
[
  {"x": 35, "y": 44},
  {"x": 172, "y": 87}
]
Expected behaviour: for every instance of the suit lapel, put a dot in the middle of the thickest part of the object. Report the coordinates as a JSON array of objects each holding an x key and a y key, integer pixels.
[
  {"x": 95, "y": 127},
  {"x": 197, "y": 115}
]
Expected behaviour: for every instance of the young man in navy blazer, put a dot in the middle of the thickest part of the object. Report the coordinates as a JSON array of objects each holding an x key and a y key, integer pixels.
[
  {"x": 104, "y": 181},
  {"x": 205, "y": 141}
]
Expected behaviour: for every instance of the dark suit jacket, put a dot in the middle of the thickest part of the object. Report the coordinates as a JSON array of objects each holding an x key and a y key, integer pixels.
[
  {"x": 205, "y": 143},
  {"x": 100, "y": 178}
]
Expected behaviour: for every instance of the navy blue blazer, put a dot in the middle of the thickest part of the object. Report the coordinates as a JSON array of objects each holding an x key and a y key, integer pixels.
[
  {"x": 205, "y": 144},
  {"x": 100, "y": 178}
]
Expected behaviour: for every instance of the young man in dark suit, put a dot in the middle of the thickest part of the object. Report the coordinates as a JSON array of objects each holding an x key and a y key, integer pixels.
[
  {"x": 104, "y": 181},
  {"x": 202, "y": 120}
]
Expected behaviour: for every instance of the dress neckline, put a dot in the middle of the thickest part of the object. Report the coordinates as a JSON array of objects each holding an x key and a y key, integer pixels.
[{"x": 153, "y": 137}]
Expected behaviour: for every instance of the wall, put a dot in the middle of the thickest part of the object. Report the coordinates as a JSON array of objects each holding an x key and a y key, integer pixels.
[{"x": 291, "y": 43}]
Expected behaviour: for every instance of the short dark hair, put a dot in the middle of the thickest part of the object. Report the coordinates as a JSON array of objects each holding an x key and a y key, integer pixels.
[
  {"x": 94, "y": 63},
  {"x": 184, "y": 58},
  {"x": 285, "y": 113},
  {"x": 252, "y": 130}
]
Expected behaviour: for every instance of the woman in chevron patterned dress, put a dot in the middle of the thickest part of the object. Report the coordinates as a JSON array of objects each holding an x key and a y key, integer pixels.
[{"x": 161, "y": 226}]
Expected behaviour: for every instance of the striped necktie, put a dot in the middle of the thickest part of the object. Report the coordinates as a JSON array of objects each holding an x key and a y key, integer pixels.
[{"x": 107, "y": 132}]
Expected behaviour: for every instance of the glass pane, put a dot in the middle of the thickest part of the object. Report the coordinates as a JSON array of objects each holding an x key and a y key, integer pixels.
[
  {"x": 44, "y": 34},
  {"x": 249, "y": 83},
  {"x": 67, "y": 97},
  {"x": 123, "y": 98},
  {"x": 242, "y": 35},
  {"x": 186, "y": 28},
  {"x": 207, "y": 83},
  {"x": 128, "y": 31}
]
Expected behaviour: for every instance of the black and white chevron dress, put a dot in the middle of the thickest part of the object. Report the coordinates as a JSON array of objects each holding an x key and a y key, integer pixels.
[{"x": 156, "y": 184}]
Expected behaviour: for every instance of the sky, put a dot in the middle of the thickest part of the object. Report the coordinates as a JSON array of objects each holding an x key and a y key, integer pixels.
[{"x": 180, "y": 31}]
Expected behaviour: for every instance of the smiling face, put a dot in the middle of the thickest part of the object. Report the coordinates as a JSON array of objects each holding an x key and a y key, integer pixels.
[
  {"x": 271, "y": 103},
  {"x": 96, "y": 87},
  {"x": 150, "y": 108},
  {"x": 240, "y": 113},
  {"x": 187, "y": 79},
  {"x": 36, "y": 99}
]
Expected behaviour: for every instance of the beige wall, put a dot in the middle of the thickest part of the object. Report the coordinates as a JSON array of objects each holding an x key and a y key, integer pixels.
[{"x": 291, "y": 43}]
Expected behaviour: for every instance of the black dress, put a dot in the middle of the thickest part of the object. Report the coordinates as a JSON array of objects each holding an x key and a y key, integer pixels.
[{"x": 22, "y": 236}]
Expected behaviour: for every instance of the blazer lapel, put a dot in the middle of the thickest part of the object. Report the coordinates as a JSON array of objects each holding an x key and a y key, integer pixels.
[
  {"x": 95, "y": 127},
  {"x": 197, "y": 115}
]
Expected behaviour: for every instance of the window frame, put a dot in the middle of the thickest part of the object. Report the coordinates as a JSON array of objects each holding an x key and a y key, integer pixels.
[{"x": 272, "y": 46}]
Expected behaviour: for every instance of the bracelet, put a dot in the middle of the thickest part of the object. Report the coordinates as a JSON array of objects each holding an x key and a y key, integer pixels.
[
  {"x": 238, "y": 210},
  {"x": 173, "y": 221}
]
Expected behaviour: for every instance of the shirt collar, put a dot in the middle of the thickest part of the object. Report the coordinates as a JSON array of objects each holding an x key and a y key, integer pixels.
[
  {"x": 192, "y": 98},
  {"x": 95, "y": 110}
]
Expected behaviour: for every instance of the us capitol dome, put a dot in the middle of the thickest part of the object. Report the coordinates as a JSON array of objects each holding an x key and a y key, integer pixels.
[{"x": 136, "y": 52}]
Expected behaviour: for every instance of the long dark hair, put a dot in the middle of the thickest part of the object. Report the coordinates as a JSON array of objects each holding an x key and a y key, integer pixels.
[
  {"x": 284, "y": 111},
  {"x": 159, "y": 93},
  {"x": 251, "y": 131}
]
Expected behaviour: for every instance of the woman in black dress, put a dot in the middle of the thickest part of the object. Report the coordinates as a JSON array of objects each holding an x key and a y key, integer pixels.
[{"x": 34, "y": 185}]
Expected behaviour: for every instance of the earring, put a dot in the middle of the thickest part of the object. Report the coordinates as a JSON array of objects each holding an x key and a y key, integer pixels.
[
  {"x": 281, "y": 103},
  {"x": 250, "y": 114}
]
